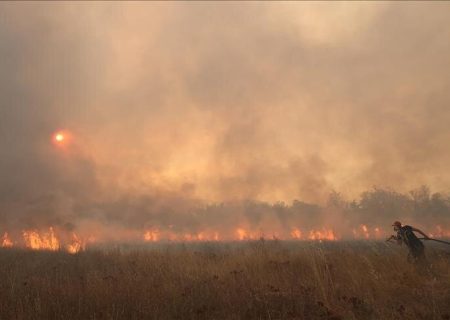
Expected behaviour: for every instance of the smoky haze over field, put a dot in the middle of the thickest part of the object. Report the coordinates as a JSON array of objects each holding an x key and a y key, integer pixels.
[{"x": 207, "y": 114}]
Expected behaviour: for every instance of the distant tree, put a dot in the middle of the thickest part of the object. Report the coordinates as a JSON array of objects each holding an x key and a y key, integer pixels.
[
  {"x": 420, "y": 198},
  {"x": 336, "y": 201},
  {"x": 380, "y": 206}
]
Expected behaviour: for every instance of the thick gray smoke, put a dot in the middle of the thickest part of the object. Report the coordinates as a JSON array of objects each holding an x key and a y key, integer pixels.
[{"x": 204, "y": 115}]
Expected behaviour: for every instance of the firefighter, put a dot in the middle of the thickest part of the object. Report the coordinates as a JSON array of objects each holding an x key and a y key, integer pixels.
[{"x": 405, "y": 235}]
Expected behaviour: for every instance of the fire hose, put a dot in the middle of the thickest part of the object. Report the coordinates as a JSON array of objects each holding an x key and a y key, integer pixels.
[
  {"x": 432, "y": 239},
  {"x": 441, "y": 241}
]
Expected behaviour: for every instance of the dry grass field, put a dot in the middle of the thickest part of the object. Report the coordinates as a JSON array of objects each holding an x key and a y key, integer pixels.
[{"x": 247, "y": 280}]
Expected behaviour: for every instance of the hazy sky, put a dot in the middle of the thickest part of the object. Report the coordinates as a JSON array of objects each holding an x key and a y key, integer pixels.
[{"x": 220, "y": 101}]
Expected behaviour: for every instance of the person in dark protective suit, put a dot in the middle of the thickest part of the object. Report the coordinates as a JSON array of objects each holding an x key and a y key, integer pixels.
[{"x": 405, "y": 235}]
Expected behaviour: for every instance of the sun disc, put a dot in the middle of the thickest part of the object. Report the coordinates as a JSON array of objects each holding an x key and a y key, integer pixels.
[{"x": 59, "y": 137}]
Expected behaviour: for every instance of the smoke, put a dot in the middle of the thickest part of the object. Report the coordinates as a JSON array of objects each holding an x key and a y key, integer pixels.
[{"x": 207, "y": 114}]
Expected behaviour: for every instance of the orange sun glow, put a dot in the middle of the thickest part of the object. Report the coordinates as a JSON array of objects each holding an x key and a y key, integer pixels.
[{"x": 61, "y": 138}]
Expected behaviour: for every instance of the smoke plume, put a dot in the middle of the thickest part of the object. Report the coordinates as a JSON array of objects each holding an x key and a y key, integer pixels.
[{"x": 195, "y": 116}]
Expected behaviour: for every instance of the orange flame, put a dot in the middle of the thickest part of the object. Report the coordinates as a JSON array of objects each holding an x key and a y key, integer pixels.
[
  {"x": 365, "y": 232},
  {"x": 296, "y": 233},
  {"x": 47, "y": 240},
  {"x": 6, "y": 241},
  {"x": 240, "y": 234},
  {"x": 44, "y": 241},
  {"x": 76, "y": 246},
  {"x": 323, "y": 234},
  {"x": 54, "y": 239}
]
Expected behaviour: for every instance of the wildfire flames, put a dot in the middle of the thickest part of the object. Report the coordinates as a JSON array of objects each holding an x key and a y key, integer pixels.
[
  {"x": 365, "y": 232},
  {"x": 6, "y": 241},
  {"x": 47, "y": 240},
  {"x": 240, "y": 234},
  {"x": 362, "y": 232},
  {"x": 44, "y": 240},
  {"x": 71, "y": 242}
]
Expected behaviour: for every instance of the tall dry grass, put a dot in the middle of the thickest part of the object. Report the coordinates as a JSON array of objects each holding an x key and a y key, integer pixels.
[{"x": 255, "y": 280}]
